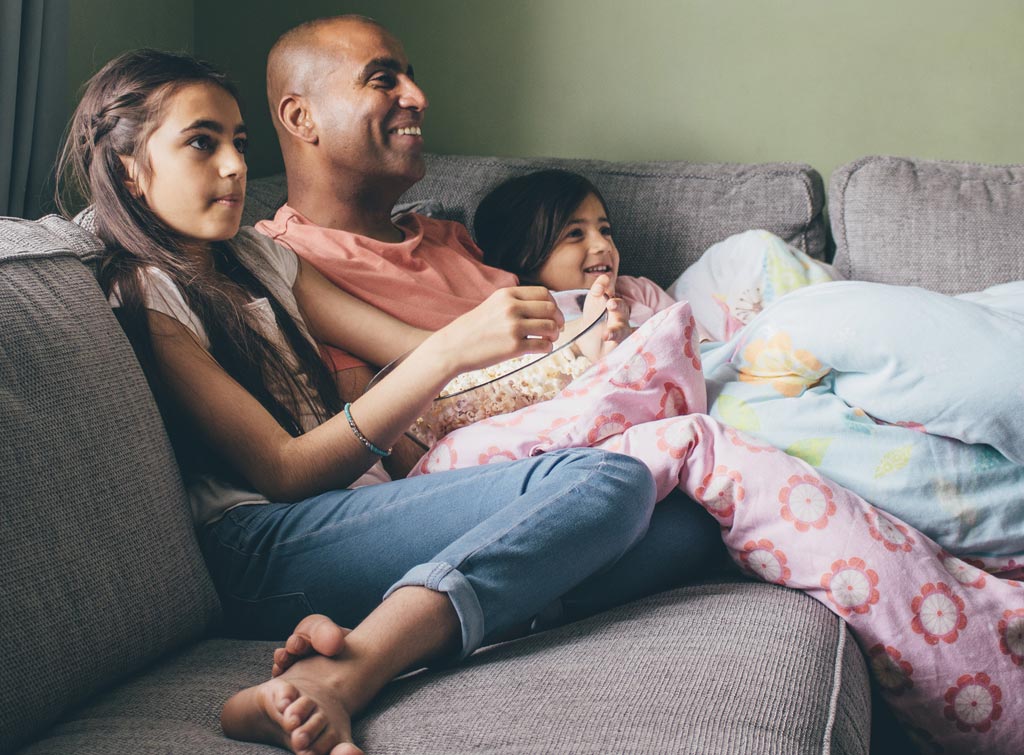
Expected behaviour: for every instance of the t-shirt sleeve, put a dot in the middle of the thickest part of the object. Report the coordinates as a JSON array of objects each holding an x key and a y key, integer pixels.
[
  {"x": 275, "y": 256},
  {"x": 645, "y": 291},
  {"x": 161, "y": 294}
]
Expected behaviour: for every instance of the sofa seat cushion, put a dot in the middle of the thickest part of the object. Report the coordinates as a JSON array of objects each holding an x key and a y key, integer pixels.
[
  {"x": 721, "y": 667},
  {"x": 946, "y": 226}
]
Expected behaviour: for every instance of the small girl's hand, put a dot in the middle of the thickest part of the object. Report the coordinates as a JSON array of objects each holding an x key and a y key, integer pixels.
[
  {"x": 601, "y": 341},
  {"x": 616, "y": 328}
]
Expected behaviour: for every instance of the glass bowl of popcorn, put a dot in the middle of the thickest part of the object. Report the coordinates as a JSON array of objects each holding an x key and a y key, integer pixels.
[{"x": 498, "y": 389}]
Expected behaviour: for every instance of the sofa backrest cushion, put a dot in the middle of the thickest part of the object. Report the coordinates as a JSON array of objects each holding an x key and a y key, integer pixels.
[
  {"x": 664, "y": 213},
  {"x": 101, "y": 569},
  {"x": 950, "y": 227}
]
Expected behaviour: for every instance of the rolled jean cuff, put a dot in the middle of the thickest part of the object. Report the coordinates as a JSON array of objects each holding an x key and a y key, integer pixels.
[{"x": 441, "y": 577}]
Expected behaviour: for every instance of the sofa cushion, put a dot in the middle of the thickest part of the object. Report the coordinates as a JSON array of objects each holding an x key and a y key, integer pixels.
[
  {"x": 723, "y": 667},
  {"x": 101, "y": 570},
  {"x": 947, "y": 226},
  {"x": 665, "y": 213}
]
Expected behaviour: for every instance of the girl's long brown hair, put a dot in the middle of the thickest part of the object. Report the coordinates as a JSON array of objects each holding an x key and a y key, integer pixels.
[{"x": 120, "y": 109}]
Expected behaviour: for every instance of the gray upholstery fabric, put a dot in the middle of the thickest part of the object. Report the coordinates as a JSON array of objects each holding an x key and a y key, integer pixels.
[
  {"x": 665, "y": 213},
  {"x": 730, "y": 667},
  {"x": 950, "y": 227},
  {"x": 101, "y": 571}
]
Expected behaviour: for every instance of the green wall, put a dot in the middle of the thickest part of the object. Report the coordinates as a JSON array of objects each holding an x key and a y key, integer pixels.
[
  {"x": 100, "y": 29},
  {"x": 716, "y": 80}
]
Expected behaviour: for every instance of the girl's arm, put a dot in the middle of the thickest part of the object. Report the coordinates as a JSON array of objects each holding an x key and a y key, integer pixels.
[
  {"x": 511, "y": 322},
  {"x": 336, "y": 317}
]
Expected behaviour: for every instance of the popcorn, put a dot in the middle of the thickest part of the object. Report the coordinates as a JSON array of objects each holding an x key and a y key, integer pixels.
[{"x": 498, "y": 389}]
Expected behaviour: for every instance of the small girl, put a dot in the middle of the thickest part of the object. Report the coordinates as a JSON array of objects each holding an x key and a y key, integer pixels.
[
  {"x": 552, "y": 228},
  {"x": 224, "y": 322}
]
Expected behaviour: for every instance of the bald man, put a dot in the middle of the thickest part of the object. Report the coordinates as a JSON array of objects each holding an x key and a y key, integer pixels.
[{"x": 349, "y": 116}]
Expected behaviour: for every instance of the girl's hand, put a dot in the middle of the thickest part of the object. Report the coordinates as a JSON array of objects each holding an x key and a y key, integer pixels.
[
  {"x": 510, "y": 322},
  {"x": 616, "y": 329}
]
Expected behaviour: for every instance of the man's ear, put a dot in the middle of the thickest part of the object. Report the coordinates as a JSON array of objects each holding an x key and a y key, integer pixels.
[
  {"x": 294, "y": 113},
  {"x": 131, "y": 180}
]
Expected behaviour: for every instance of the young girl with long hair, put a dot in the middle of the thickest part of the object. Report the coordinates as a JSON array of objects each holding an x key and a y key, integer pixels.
[{"x": 276, "y": 465}]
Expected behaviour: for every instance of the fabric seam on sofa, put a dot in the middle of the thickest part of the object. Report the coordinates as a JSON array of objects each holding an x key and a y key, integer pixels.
[{"x": 837, "y": 683}]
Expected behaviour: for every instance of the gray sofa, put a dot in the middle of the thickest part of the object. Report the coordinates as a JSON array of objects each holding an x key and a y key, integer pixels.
[{"x": 109, "y": 622}]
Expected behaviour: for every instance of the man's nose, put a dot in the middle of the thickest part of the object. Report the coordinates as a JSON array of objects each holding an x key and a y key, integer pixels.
[{"x": 411, "y": 96}]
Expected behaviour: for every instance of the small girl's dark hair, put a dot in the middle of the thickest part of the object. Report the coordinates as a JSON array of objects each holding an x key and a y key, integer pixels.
[
  {"x": 121, "y": 107},
  {"x": 518, "y": 223}
]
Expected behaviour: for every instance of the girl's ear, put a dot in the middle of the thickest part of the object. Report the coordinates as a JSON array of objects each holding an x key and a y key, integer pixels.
[{"x": 131, "y": 181}]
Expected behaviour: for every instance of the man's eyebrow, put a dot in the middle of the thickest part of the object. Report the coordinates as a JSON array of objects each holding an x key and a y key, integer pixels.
[
  {"x": 214, "y": 126},
  {"x": 390, "y": 64}
]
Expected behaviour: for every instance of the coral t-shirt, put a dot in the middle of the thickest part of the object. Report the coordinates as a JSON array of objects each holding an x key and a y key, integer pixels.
[{"x": 427, "y": 280}]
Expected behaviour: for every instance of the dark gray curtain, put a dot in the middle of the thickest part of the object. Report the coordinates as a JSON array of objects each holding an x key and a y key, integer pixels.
[{"x": 33, "y": 102}]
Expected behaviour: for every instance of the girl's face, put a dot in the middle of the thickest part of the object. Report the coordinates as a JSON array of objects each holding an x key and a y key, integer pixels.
[
  {"x": 584, "y": 250},
  {"x": 196, "y": 178}
]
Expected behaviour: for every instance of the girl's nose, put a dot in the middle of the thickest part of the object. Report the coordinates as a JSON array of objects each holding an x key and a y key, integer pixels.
[{"x": 233, "y": 164}]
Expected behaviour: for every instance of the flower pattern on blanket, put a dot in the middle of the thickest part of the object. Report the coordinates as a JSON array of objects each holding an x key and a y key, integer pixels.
[{"x": 944, "y": 641}]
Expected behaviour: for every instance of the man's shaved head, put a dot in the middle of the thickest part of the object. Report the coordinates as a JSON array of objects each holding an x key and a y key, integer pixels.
[
  {"x": 300, "y": 57},
  {"x": 348, "y": 115}
]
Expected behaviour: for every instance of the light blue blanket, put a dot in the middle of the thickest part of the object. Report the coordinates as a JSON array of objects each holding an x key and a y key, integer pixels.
[{"x": 912, "y": 399}]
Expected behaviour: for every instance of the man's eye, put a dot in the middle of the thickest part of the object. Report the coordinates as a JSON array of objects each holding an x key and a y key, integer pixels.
[
  {"x": 241, "y": 145},
  {"x": 201, "y": 142},
  {"x": 384, "y": 80}
]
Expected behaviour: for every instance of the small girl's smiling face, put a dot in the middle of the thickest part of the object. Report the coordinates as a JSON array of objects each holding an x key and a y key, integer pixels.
[
  {"x": 584, "y": 250},
  {"x": 195, "y": 182}
]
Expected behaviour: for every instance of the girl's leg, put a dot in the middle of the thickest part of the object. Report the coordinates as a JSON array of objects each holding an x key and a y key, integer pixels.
[
  {"x": 944, "y": 640},
  {"x": 503, "y": 541}
]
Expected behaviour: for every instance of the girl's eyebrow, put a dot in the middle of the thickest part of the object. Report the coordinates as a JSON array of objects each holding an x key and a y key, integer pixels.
[
  {"x": 576, "y": 221},
  {"x": 214, "y": 126}
]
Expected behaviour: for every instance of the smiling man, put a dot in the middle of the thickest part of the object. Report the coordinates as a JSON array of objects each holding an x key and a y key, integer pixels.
[{"x": 349, "y": 116}]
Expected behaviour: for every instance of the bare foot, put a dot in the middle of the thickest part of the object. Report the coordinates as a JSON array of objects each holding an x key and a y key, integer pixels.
[
  {"x": 302, "y": 711},
  {"x": 314, "y": 634}
]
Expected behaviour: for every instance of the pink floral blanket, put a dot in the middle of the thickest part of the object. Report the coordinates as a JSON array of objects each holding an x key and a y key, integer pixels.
[{"x": 943, "y": 638}]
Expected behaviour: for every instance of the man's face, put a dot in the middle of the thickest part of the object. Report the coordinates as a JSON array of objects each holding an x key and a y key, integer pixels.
[{"x": 368, "y": 111}]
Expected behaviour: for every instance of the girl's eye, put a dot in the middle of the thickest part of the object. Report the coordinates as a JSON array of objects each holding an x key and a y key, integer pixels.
[
  {"x": 575, "y": 233},
  {"x": 606, "y": 230},
  {"x": 202, "y": 142},
  {"x": 241, "y": 145}
]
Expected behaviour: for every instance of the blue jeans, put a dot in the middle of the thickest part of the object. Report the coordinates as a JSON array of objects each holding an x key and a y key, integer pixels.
[{"x": 503, "y": 541}]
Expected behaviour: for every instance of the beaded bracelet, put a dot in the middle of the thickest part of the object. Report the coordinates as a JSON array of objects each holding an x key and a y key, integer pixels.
[{"x": 362, "y": 438}]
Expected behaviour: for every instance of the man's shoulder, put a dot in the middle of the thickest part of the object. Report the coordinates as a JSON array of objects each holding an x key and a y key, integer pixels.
[{"x": 448, "y": 233}]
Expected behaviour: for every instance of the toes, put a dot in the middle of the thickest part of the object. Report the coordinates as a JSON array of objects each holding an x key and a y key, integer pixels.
[
  {"x": 283, "y": 695},
  {"x": 327, "y": 637},
  {"x": 297, "y": 644},
  {"x": 298, "y": 713},
  {"x": 346, "y": 748},
  {"x": 304, "y": 736}
]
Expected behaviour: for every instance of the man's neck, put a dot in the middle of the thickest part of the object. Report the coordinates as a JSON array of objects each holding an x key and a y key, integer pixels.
[{"x": 348, "y": 207}]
